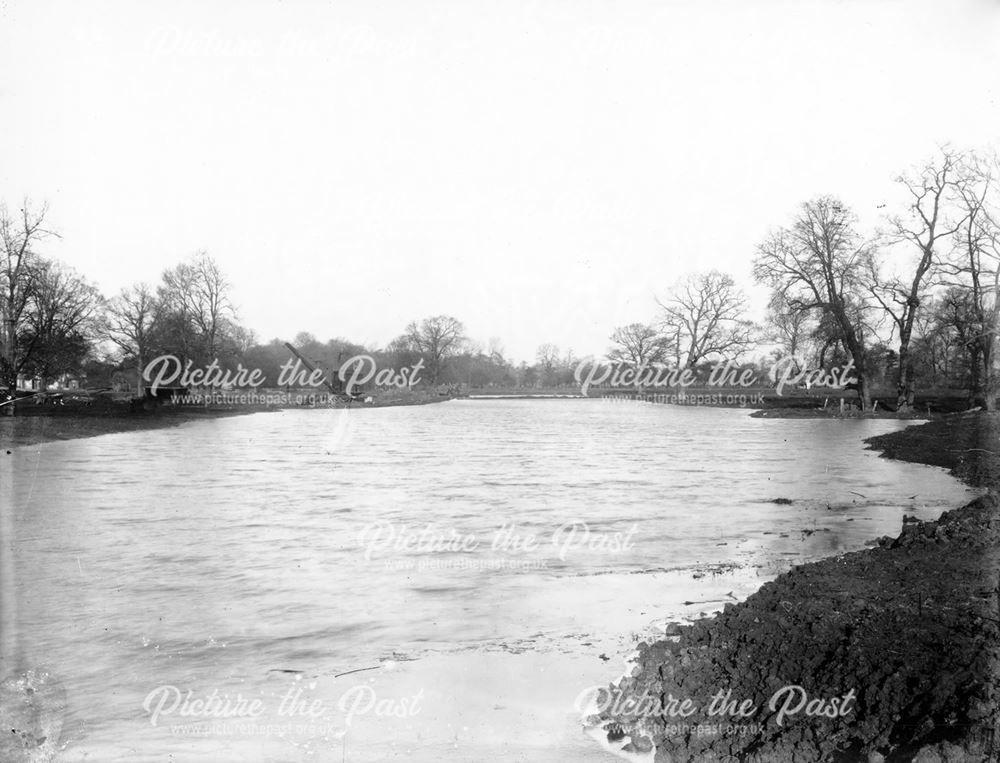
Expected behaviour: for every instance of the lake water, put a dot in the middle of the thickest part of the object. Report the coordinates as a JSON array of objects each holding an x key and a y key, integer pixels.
[{"x": 470, "y": 566}]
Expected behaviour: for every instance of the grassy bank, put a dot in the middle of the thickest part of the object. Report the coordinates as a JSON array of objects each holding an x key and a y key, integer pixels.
[{"x": 904, "y": 636}]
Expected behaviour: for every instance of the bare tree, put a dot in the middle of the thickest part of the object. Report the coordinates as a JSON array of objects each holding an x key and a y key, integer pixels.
[
  {"x": 958, "y": 322},
  {"x": 638, "y": 344},
  {"x": 436, "y": 338},
  {"x": 197, "y": 295},
  {"x": 974, "y": 272},
  {"x": 495, "y": 350},
  {"x": 242, "y": 339},
  {"x": 932, "y": 348},
  {"x": 817, "y": 264},
  {"x": 130, "y": 322},
  {"x": 60, "y": 321},
  {"x": 705, "y": 315},
  {"x": 547, "y": 356},
  {"x": 791, "y": 329},
  {"x": 672, "y": 334},
  {"x": 926, "y": 227},
  {"x": 20, "y": 265}
]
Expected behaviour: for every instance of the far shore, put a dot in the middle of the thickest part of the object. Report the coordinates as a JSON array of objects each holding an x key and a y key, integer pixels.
[
  {"x": 36, "y": 424},
  {"x": 761, "y": 402}
]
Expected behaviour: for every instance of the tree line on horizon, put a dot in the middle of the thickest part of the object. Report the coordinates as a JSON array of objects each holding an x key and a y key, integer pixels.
[{"x": 913, "y": 305}]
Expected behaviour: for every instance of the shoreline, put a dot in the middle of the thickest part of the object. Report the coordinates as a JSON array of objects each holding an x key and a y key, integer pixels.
[
  {"x": 900, "y": 642},
  {"x": 75, "y": 421},
  {"x": 36, "y": 425}
]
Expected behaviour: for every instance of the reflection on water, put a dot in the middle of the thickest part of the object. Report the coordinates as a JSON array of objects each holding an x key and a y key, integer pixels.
[{"x": 233, "y": 553}]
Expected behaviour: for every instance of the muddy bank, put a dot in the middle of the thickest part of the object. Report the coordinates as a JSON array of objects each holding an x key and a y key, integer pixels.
[
  {"x": 832, "y": 412},
  {"x": 32, "y": 428},
  {"x": 35, "y": 424},
  {"x": 967, "y": 444},
  {"x": 894, "y": 649}
]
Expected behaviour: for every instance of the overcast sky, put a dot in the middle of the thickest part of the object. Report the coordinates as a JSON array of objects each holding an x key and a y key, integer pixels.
[{"x": 540, "y": 170}]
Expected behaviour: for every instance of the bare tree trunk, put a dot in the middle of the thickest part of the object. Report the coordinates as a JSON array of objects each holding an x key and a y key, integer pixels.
[
  {"x": 9, "y": 367},
  {"x": 904, "y": 377},
  {"x": 975, "y": 377},
  {"x": 989, "y": 397},
  {"x": 904, "y": 372},
  {"x": 854, "y": 344},
  {"x": 864, "y": 394},
  {"x": 987, "y": 384}
]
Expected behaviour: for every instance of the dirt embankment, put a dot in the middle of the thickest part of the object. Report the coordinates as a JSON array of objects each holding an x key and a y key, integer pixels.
[
  {"x": 899, "y": 643},
  {"x": 34, "y": 424},
  {"x": 967, "y": 444}
]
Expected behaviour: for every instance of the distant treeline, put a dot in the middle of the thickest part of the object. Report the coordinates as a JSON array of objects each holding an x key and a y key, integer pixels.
[{"x": 913, "y": 305}]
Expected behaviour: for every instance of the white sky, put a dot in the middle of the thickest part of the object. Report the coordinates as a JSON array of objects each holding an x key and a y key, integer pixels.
[{"x": 537, "y": 169}]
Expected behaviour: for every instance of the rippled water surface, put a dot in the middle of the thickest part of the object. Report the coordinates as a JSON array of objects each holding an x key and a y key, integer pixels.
[{"x": 482, "y": 559}]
